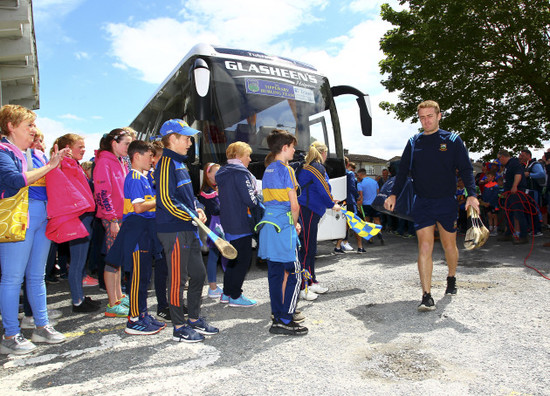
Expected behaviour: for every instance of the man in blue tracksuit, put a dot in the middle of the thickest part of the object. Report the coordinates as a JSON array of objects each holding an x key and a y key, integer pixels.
[{"x": 437, "y": 156}]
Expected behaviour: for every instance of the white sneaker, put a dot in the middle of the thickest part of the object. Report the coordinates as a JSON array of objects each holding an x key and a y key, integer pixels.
[
  {"x": 54, "y": 314},
  {"x": 309, "y": 296},
  {"x": 317, "y": 288},
  {"x": 17, "y": 345},
  {"x": 48, "y": 335},
  {"x": 28, "y": 321},
  {"x": 346, "y": 246}
]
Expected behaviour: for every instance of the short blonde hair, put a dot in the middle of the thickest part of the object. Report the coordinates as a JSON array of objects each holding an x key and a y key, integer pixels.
[
  {"x": 16, "y": 115},
  {"x": 238, "y": 149},
  {"x": 39, "y": 133},
  {"x": 86, "y": 165},
  {"x": 131, "y": 131},
  {"x": 315, "y": 151},
  {"x": 429, "y": 104}
]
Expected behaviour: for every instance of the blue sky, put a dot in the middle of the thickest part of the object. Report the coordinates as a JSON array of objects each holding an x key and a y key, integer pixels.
[{"x": 100, "y": 61}]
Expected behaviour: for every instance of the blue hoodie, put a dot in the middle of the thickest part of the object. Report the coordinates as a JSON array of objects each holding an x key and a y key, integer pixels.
[{"x": 236, "y": 191}]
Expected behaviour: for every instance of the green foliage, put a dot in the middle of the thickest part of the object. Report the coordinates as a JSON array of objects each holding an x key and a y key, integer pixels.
[{"x": 487, "y": 63}]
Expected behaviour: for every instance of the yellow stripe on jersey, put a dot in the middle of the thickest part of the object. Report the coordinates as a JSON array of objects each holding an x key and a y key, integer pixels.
[
  {"x": 129, "y": 206},
  {"x": 165, "y": 194},
  {"x": 321, "y": 178},
  {"x": 275, "y": 194}
]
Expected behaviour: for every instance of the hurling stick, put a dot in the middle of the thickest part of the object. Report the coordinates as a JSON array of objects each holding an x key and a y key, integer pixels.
[{"x": 226, "y": 249}]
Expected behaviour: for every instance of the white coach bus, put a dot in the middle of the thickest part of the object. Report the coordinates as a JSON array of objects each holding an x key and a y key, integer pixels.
[{"x": 238, "y": 95}]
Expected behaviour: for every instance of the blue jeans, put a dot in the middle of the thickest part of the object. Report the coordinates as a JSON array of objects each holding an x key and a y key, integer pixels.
[
  {"x": 25, "y": 259},
  {"x": 212, "y": 265},
  {"x": 79, "y": 253}
]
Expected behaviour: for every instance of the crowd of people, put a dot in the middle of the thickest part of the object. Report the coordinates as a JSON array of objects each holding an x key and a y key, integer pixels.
[{"x": 132, "y": 211}]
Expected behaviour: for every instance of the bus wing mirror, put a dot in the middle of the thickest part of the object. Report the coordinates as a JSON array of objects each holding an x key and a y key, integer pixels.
[
  {"x": 362, "y": 101},
  {"x": 201, "y": 74},
  {"x": 200, "y": 77}
]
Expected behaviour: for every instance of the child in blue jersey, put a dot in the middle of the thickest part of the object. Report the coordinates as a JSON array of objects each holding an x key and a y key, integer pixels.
[
  {"x": 489, "y": 201},
  {"x": 136, "y": 240},
  {"x": 160, "y": 266},
  {"x": 279, "y": 233}
]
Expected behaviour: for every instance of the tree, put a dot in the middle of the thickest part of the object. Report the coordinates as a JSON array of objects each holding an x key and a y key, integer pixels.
[{"x": 487, "y": 63}]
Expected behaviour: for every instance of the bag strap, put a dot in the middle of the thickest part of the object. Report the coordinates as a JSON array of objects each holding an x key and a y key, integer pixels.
[
  {"x": 413, "y": 140},
  {"x": 15, "y": 150}
]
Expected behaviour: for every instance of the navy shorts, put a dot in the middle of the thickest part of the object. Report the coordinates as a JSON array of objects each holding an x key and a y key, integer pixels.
[
  {"x": 427, "y": 211},
  {"x": 370, "y": 212}
]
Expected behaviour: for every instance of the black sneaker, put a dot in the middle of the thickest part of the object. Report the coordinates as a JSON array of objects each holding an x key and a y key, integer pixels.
[
  {"x": 293, "y": 328},
  {"x": 94, "y": 302},
  {"x": 451, "y": 286},
  {"x": 85, "y": 307},
  {"x": 164, "y": 314},
  {"x": 339, "y": 251},
  {"x": 427, "y": 303}
]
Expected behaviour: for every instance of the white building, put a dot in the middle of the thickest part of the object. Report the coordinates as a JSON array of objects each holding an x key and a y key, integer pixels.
[{"x": 18, "y": 60}]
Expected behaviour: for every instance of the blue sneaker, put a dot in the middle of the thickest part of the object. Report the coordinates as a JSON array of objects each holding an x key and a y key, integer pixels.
[
  {"x": 141, "y": 327},
  {"x": 153, "y": 321},
  {"x": 242, "y": 301},
  {"x": 186, "y": 334},
  {"x": 217, "y": 293},
  {"x": 200, "y": 326},
  {"x": 224, "y": 299},
  {"x": 125, "y": 301}
]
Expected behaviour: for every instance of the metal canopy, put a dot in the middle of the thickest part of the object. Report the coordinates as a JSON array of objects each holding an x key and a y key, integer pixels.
[{"x": 18, "y": 59}]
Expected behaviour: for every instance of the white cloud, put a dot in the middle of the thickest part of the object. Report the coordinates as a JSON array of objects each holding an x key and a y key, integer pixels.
[
  {"x": 69, "y": 116},
  {"x": 81, "y": 55},
  {"x": 53, "y": 129},
  {"x": 52, "y": 10},
  {"x": 156, "y": 46}
]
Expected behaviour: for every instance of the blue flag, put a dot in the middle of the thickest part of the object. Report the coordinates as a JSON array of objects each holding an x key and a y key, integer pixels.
[{"x": 360, "y": 227}]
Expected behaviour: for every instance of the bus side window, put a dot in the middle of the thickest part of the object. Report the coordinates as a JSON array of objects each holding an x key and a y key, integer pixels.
[{"x": 320, "y": 129}]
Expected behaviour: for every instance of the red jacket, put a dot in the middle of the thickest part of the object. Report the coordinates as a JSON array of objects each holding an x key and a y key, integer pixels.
[{"x": 69, "y": 196}]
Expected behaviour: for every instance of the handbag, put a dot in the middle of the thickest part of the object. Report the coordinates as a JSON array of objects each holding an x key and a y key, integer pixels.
[
  {"x": 405, "y": 200},
  {"x": 14, "y": 215}
]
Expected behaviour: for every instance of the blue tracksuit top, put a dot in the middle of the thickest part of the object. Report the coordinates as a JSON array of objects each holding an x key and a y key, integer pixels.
[
  {"x": 315, "y": 194},
  {"x": 174, "y": 188},
  {"x": 351, "y": 183},
  {"x": 435, "y": 161},
  {"x": 236, "y": 193}
]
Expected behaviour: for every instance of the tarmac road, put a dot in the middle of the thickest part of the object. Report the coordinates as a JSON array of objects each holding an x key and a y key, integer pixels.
[{"x": 365, "y": 335}]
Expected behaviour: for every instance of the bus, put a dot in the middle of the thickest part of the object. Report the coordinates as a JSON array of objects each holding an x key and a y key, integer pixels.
[{"x": 239, "y": 95}]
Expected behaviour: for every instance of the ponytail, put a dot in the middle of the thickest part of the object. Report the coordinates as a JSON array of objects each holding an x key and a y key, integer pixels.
[{"x": 315, "y": 151}]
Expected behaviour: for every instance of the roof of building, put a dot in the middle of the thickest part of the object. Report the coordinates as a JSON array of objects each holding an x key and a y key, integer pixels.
[
  {"x": 18, "y": 60},
  {"x": 366, "y": 158}
]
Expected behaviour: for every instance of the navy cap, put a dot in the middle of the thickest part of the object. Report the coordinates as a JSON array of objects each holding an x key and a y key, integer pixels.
[{"x": 177, "y": 126}]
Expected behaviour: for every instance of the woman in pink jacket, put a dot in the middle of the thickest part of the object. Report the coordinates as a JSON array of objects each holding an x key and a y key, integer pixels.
[
  {"x": 71, "y": 209},
  {"x": 109, "y": 173}
]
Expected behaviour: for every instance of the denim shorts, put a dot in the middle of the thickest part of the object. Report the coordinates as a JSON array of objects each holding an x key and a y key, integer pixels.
[{"x": 427, "y": 211}]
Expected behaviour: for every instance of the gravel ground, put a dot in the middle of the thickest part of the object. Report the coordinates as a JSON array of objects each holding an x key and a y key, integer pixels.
[{"x": 365, "y": 336}]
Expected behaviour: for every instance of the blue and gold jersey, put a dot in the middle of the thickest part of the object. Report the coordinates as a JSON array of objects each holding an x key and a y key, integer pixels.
[
  {"x": 136, "y": 190},
  {"x": 277, "y": 181}
]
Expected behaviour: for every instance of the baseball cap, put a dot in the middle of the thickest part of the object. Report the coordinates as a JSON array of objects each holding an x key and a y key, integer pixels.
[{"x": 177, "y": 126}]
